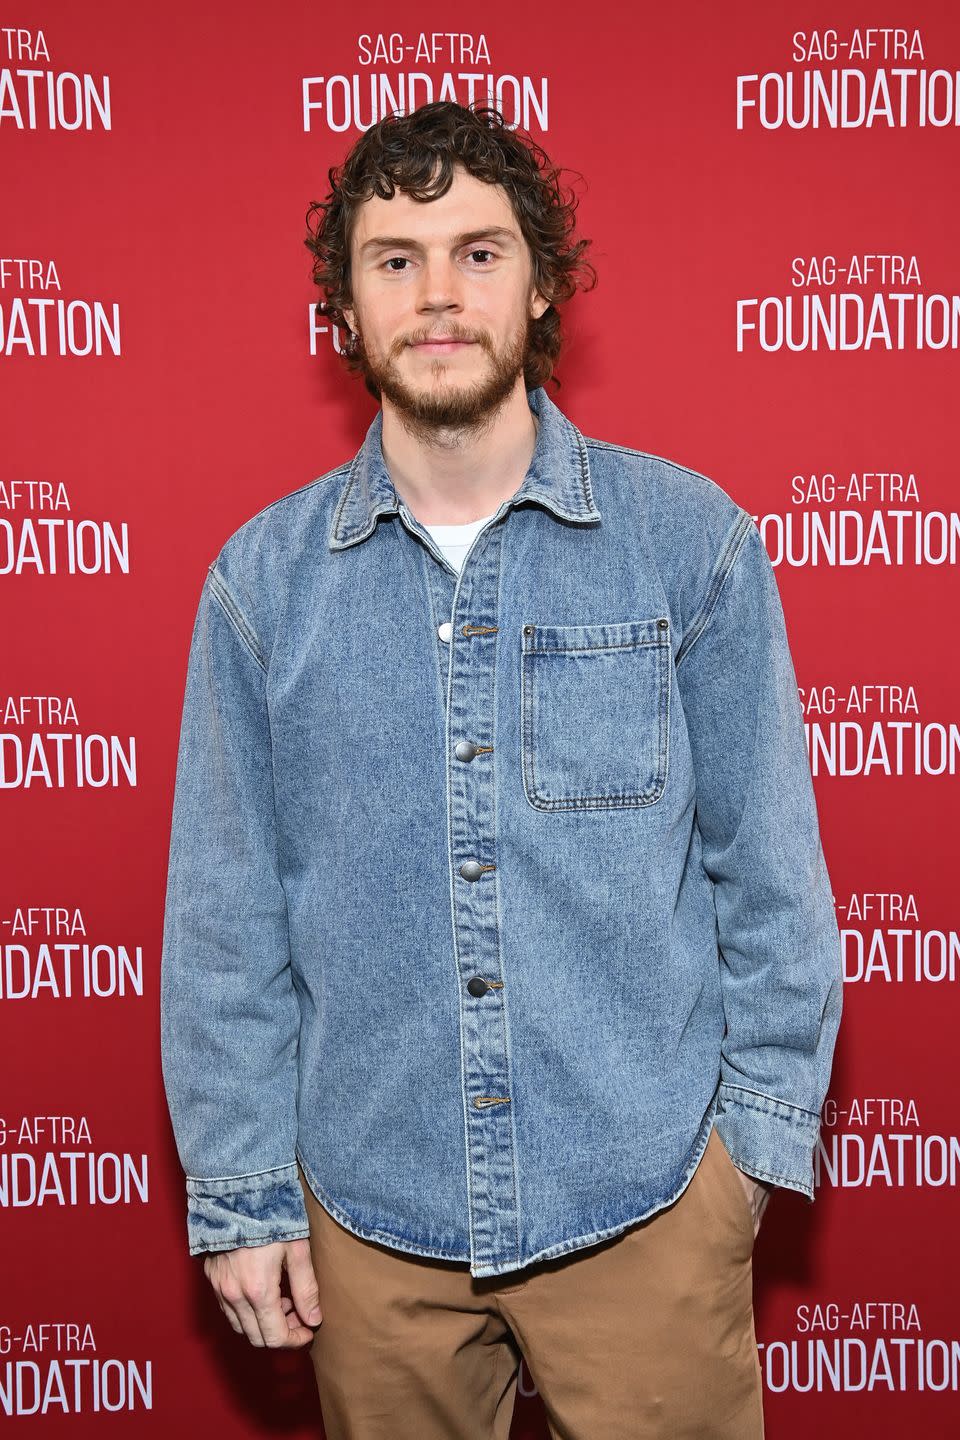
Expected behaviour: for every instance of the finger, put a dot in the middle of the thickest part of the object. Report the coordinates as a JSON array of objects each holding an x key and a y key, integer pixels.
[
  {"x": 231, "y": 1315},
  {"x": 217, "y": 1269},
  {"x": 247, "y": 1286},
  {"x": 303, "y": 1282},
  {"x": 293, "y": 1320},
  {"x": 279, "y": 1330},
  {"x": 249, "y": 1282},
  {"x": 266, "y": 1304},
  {"x": 250, "y": 1322}
]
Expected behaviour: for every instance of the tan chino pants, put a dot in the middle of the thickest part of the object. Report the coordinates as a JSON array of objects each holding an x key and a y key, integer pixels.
[{"x": 646, "y": 1336}]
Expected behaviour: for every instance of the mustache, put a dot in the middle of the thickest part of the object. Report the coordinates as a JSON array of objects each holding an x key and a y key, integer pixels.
[{"x": 448, "y": 333}]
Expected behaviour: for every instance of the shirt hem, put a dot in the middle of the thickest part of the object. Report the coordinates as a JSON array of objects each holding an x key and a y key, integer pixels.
[
  {"x": 364, "y": 1232},
  {"x": 550, "y": 1252}
]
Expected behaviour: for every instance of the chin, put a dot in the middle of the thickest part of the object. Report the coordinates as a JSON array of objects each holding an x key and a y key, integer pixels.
[{"x": 447, "y": 376}]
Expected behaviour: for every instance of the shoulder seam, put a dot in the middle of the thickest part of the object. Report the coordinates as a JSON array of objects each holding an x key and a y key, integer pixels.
[
  {"x": 649, "y": 455},
  {"x": 219, "y": 587},
  {"x": 736, "y": 536},
  {"x": 222, "y": 593}
]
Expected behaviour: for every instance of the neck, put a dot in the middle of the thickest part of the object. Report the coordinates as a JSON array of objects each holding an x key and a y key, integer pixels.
[{"x": 451, "y": 477}]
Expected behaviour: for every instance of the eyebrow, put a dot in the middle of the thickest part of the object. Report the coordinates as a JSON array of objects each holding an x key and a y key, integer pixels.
[{"x": 405, "y": 242}]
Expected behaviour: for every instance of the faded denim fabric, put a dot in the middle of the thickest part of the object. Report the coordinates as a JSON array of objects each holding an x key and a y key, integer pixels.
[{"x": 490, "y": 893}]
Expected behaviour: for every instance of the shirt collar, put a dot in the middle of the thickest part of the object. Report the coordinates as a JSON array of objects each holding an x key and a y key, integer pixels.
[{"x": 558, "y": 476}]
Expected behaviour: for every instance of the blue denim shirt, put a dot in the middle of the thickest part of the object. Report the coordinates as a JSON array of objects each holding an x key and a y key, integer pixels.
[{"x": 491, "y": 893}]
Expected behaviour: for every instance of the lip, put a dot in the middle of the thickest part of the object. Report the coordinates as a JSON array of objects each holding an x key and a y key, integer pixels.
[{"x": 442, "y": 347}]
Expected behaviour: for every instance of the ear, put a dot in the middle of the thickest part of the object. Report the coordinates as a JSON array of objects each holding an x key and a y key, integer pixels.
[
  {"x": 538, "y": 305},
  {"x": 350, "y": 317}
]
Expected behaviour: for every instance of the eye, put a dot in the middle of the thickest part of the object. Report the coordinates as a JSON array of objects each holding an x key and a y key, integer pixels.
[
  {"x": 397, "y": 260},
  {"x": 481, "y": 252}
]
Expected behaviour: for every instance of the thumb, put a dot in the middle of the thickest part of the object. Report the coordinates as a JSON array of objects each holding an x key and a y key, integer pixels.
[{"x": 304, "y": 1290}]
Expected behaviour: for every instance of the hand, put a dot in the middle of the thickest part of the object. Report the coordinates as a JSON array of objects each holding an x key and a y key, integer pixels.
[
  {"x": 758, "y": 1192},
  {"x": 247, "y": 1286}
]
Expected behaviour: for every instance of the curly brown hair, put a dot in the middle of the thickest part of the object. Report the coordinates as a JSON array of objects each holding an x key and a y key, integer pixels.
[{"x": 416, "y": 153}]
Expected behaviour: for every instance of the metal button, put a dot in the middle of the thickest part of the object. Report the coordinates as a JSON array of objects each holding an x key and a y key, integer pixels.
[
  {"x": 663, "y": 624},
  {"x": 477, "y": 986},
  {"x": 471, "y": 869},
  {"x": 445, "y": 631},
  {"x": 465, "y": 749}
]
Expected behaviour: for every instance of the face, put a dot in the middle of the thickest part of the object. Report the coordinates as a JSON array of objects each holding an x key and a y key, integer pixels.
[{"x": 443, "y": 299}]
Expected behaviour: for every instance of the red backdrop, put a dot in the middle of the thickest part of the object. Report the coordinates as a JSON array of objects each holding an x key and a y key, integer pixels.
[{"x": 771, "y": 192}]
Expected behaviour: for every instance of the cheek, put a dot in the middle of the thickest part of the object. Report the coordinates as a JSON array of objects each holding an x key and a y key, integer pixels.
[
  {"x": 383, "y": 320},
  {"x": 500, "y": 315}
]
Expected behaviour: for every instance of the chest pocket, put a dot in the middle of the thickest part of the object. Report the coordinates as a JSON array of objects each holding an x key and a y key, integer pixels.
[{"x": 595, "y": 719}]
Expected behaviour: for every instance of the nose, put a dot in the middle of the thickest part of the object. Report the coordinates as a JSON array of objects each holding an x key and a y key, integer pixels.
[{"x": 440, "y": 288}]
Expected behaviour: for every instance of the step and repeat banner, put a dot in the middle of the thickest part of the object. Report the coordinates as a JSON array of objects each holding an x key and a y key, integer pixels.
[{"x": 771, "y": 193}]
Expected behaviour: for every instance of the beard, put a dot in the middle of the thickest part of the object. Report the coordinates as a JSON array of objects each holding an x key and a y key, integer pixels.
[{"x": 446, "y": 404}]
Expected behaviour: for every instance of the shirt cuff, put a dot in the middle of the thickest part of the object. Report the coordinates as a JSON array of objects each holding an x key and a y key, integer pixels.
[
  {"x": 768, "y": 1138},
  {"x": 239, "y": 1210}
]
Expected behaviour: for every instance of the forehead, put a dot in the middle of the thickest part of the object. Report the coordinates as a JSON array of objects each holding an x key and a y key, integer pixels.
[{"x": 469, "y": 202}]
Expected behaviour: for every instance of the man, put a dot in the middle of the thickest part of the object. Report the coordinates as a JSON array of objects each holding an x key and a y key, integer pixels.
[{"x": 501, "y": 977}]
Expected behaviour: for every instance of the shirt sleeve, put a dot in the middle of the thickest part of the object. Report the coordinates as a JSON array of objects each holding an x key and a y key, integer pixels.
[
  {"x": 781, "y": 974},
  {"x": 229, "y": 1013}
]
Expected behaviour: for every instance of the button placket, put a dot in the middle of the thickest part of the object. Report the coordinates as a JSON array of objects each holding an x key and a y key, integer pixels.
[{"x": 488, "y": 1108}]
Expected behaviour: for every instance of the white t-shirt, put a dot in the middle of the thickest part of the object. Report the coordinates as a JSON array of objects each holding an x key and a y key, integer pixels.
[{"x": 455, "y": 540}]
